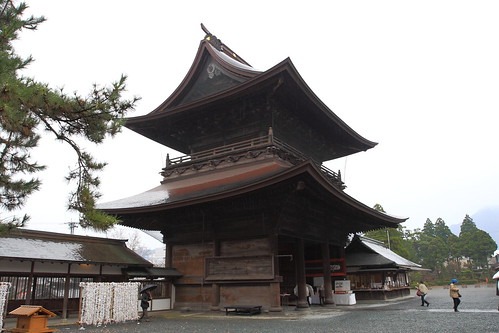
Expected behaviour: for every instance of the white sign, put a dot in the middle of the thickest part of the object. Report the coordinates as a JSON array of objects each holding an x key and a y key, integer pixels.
[{"x": 342, "y": 285}]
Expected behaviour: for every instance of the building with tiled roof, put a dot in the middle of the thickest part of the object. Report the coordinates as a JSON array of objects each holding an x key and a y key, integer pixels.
[
  {"x": 46, "y": 268},
  {"x": 375, "y": 271},
  {"x": 251, "y": 190}
]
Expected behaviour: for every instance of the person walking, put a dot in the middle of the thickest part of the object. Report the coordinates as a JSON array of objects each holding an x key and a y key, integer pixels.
[
  {"x": 309, "y": 292},
  {"x": 145, "y": 297},
  {"x": 423, "y": 291},
  {"x": 454, "y": 294}
]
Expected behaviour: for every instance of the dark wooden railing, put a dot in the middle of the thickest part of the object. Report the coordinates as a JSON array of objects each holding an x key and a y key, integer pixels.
[
  {"x": 221, "y": 151},
  {"x": 263, "y": 142}
]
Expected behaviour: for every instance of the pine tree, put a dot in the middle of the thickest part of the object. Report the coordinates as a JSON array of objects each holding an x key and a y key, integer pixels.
[{"x": 28, "y": 108}]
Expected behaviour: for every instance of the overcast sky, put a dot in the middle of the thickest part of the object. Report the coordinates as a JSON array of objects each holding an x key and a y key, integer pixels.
[{"x": 421, "y": 78}]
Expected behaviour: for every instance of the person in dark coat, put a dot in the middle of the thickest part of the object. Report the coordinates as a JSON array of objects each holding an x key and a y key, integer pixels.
[{"x": 145, "y": 297}]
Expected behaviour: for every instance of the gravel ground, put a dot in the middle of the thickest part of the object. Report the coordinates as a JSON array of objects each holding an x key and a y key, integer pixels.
[{"x": 478, "y": 313}]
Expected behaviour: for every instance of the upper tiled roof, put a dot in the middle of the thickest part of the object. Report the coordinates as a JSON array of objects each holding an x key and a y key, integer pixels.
[{"x": 218, "y": 82}]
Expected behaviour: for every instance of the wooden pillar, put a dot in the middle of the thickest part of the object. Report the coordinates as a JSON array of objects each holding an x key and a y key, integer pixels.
[
  {"x": 275, "y": 287},
  {"x": 168, "y": 250},
  {"x": 66, "y": 293},
  {"x": 33, "y": 289},
  {"x": 328, "y": 285},
  {"x": 301, "y": 281},
  {"x": 29, "y": 292},
  {"x": 168, "y": 264},
  {"x": 100, "y": 278},
  {"x": 215, "y": 297},
  {"x": 215, "y": 287},
  {"x": 168, "y": 255}
]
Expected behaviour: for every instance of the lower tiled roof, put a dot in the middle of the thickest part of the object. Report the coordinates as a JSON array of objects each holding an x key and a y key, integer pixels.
[{"x": 36, "y": 245}]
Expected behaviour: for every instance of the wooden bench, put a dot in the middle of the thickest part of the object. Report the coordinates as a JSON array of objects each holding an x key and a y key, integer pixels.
[{"x": 243, "y": 309}]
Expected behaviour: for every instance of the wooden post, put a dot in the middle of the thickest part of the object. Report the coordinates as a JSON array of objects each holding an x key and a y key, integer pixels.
[
  {"x": 29, "y": 292},
  {"x": 275, "y": 287},
  {"x": 215, "y": 287},
  {"x": 66, "y": 293},
  {"x": 215, "y": 295},
  {"x": 301, "y": 281},
  {"x": 328, "y": 285},
  {"x": 168, "y": 255},
  {"x": 79, "y": 306}
]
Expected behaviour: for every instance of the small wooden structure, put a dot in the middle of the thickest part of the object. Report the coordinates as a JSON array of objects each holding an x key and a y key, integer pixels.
[
  {"x": 32, "y": 319},
  {"x": 376, "y": 272}
]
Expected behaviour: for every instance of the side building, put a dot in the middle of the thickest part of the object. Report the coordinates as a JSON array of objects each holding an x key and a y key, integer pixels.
[
  {"x": 46, "y": 268},
  {"x": 376, "y": 272}
]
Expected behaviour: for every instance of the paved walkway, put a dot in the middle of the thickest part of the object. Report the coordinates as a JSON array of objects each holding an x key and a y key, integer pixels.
[{"x": 478, "y": 313}]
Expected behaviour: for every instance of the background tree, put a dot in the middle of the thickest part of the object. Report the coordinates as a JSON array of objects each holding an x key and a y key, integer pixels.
[
  {"x": 393, "y": 238},
  {"x": 412, "y": 238},
  {"x": 475, "y": 244},
  {"x": 428, "y": 228},
  {"x": 432, "y": 253},
  {"x": 436, "y": 248},
  {"x": 450, "y": 248},
  {"x": 28, "y": 107}
]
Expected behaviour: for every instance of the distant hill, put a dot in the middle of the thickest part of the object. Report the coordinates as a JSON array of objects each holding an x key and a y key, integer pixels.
[{"x": 486, "y": 219}]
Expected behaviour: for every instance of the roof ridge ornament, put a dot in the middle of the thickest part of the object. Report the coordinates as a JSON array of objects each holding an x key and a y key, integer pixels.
[
  {"x": 212, "y": 39},
  {"x": 217, "y": 44}
]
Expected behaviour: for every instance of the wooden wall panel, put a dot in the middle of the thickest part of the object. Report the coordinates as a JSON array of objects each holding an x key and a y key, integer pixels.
[
  {"x": 190, "y": 258},
  {"x": 240, "y": 268},
  {"x": 193, "y": 296},
  {"x": 245, "y": 247},
  {"x": 245, "y": 295}
]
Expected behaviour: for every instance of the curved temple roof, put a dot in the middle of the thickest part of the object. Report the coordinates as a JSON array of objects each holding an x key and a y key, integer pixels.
[
  {"x": 226, "y": 184},
  {"x": 219, "y": 77}
]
